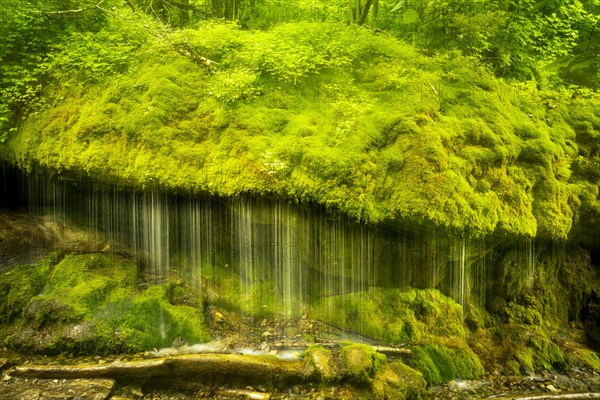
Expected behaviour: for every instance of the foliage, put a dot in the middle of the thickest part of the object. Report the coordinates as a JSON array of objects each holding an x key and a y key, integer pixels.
[
  {"x": 516, "y": 38},
  {"x": 29, "y": 29},
  {"x": 363, "y": 124}
]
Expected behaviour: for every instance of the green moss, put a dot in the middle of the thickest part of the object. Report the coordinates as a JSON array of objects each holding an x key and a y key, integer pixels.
[
  {"x": 385, "y": 147},
  {"x": 89, "y": 304},
  {"x": 19, "y": 285},
  {"x": 528, "y": 347},
  {"x": 86, "y": 282},
  {"x": 402, "y": 382},
  {"x": 584, "y": 358},
  {"x": 394, "y": 315},
  {"x": 524, "y": 356},
  {"x": 257, "y": 300},
  {"x": 439, "y": 363},
  {"x": 150, "y": 321},
  {"x": 519, "y": 314},
  {"x": 360, "y": 362},
  {"x": 319, "y": 364}
]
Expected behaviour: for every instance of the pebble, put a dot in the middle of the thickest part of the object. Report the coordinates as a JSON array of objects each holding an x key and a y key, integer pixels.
[{"x": 552, "y": 389}]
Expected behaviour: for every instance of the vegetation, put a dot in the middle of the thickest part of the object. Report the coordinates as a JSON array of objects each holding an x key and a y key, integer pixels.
[
  {"x": 478, "y": 117},
  {"x": 366, "y": 123},
  {"x": 90, "y": 304},
  {"x": 395, "y": 315}
]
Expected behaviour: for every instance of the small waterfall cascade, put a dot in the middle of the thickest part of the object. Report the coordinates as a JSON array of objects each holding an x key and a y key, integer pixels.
[{"x": 271, "y": 253}]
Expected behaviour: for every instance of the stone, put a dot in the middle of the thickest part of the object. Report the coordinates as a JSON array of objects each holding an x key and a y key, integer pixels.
[
  {"x": 318, "y": 364},
  {"x": 552, "y": 389},
  {"x": 219, "y": 317},
  {"x": 266, "y": 334},
  {"x": 85, "y": 389}
]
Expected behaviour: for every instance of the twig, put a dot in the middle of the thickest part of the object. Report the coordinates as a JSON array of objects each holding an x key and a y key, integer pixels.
[
  {"x": 80, "y": 10},
  {"x": 434, "y": 91}
]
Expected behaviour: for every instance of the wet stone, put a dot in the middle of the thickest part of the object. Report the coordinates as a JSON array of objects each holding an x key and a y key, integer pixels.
[{"x": 49, "y": 389}]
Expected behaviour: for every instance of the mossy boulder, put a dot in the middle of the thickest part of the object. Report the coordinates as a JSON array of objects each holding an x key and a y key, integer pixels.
[
  {"x": 394, "y": 315},
  {"x": 359, "y": 362},
  {"x": 584, "y": 358},
  {"x": 441, "y": 363},
  {"x": 398, "y": 381},
  {"x": 319, "y": 364},
  {"x": 91, "y": 303},
  {"x": 19, "y": 285},
  {"x": 374, "y": 142}
]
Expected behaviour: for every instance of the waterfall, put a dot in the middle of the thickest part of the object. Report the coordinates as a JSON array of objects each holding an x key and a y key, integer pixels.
[{"x": 275, "y": 254}]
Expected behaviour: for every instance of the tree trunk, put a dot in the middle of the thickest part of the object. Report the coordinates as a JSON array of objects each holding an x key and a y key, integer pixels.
[
  {"x": 217, "y": 11},
  {"x": 364, "y": 12},
  {"x": 184, "y": 15}
]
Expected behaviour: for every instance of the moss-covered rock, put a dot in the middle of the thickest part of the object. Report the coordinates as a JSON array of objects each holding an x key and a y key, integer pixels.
[
  {"x": 319, "y": 364},
  {"x": 360, "y": 362},
  {"x": 19, "y": 285},
  {"x": 90, "y": 304},
  {"x": 440, "y": 363},
  {"x": 584, "y": 358},
  {"x": 399, "y": 381},
  {"x": 394, "y": 315}
]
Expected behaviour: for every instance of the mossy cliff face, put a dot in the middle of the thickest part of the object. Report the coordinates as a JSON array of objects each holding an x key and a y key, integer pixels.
[
  {"x": 90, "y": 304},
  {"x": 425, "y": 319},
  {"x": 369, "y": 126},
  {"x": 542, "y": 324}
]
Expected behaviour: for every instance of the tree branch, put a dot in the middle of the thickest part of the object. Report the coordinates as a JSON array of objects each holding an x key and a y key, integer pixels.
[{"x": 79, "y": 10}]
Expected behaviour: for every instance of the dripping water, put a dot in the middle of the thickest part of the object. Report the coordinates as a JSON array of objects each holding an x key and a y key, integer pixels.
[{"x": 274, "y": 253}]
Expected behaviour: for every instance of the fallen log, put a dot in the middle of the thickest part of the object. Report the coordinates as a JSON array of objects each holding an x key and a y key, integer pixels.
[
  {"x": 116, "y": 369},
  {"x": 204, "y": 366},
  {"x": 387, "y": 350}
]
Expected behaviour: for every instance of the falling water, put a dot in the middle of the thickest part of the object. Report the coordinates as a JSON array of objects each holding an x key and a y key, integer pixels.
[{"x": 272, "y": 251}]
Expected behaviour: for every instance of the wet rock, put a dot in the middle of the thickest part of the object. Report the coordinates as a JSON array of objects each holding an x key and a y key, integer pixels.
[
  {"x": 266, "y": 335},
  {"x": 218, "y": 317},
  {"x": 132, "y": 391},
  {"x": 360, "y": 362},
  {"x": 85, "y": 331},
  {"x": 318, "y": 364},
  {"x": 397, "y": 381},
  {"x": 81, "y": 389},
  {"x": 179, "y": 341},
  {"x": 264, "y": 346},
  {"x": 552, "y": 389},
  {"x": 244, "y": 394}
]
